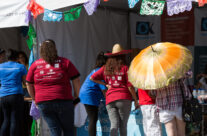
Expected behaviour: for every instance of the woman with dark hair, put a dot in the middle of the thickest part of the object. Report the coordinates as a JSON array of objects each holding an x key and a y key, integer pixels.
[
  {"x": 91, "y": 94},
  {"x": 48, "y": 83},
  {"x": 120, "y": 91},
  {"x": 23, "y": 59},
  {"x": 11, "y": 93}
]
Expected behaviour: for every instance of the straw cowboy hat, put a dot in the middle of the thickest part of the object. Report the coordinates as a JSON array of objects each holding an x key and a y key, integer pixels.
[{"x": 117, "y": 50}]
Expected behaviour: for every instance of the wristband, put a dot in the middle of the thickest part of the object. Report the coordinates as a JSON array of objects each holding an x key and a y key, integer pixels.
[{"x": 76, "y": 101}]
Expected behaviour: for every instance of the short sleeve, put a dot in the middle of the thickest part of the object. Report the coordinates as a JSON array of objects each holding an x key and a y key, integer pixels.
[
  {"x": 102, "y": 87},
  {"x": 23, "y": 70},
  {"x": 30, "y": 74},
  {"x": 72, "y": 71},
  {"x": 98, "y": 75},
  {"x": 126, "y": 72}
]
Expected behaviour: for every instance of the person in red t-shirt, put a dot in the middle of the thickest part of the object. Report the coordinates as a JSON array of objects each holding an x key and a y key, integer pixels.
[
  {"x": 151, "y": 122},
  {"x": 120, "y": 90},
  {"x": 48, "y": 83}
]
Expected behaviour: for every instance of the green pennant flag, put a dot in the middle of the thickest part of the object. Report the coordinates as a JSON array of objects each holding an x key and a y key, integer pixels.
[
  {"x": 72, "y": 14},
  {"x": 33, "y": 128},
  {"x": 152, "y": 7},
  {"x": 31, "y": 31},
  {"x": 32, "y": 36}
]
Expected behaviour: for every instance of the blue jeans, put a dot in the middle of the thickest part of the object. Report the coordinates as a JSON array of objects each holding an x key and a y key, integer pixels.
[
  {"x": 12, "y": 107},
  {"x": 59, "y": 115}
]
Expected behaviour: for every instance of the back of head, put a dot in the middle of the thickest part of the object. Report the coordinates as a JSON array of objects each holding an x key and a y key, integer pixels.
[
  {"x": 100, "y": 60},
  {"x": 114, "y": 63},
  {"x": 48, "y": 51},
  {"x": 11, "y": 55}
]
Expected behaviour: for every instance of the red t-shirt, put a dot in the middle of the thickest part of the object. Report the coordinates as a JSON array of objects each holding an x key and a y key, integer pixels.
[
  {"x": 52, "y": 81},
  {"x": 144, "y": 98},
  {"x": 119, "y": 84}
]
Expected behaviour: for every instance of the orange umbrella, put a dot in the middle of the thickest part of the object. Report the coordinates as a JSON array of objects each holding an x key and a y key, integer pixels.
[{"x": 158, "y": 65}]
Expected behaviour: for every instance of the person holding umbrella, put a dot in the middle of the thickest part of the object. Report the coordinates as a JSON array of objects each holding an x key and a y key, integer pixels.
[
  {"x": 162, "y": 67},
  {"x": 169, "y": 103},
  {"x": 120, "y": 91}
]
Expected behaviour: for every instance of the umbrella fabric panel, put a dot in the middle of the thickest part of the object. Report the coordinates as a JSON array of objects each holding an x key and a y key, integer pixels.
[{"x": 158, "y": 65}]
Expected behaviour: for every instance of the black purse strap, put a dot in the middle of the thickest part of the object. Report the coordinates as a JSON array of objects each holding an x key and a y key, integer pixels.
[
  {"x": 183, "y": 85},
  {"x": 181, "y": 88}
]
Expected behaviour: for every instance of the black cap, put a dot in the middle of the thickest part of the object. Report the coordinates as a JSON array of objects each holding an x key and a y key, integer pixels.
[{"x": 2, "y": 51}]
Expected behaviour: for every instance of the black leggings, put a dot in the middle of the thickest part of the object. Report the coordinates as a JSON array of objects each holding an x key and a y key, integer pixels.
[
  {"x": 92, "y": 112},
  {"x": 12, "y": 107}
]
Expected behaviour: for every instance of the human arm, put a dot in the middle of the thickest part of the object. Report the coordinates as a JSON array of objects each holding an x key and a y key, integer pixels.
[
  {"x": 134, "y": 96},
  {"x": 98, "y": 81},
  {"x": 76, "y": 86},
  {"x": 31, "y": 90},
  {"x": 24, "y": 80}
]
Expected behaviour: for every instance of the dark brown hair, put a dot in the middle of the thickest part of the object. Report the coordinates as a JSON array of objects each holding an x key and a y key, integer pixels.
[
  {"x": 48, "y": 51},
  {"x": 24, "y": 55},
  {"x": 113, "y": 64},
  {"x": 100, "y": 60}
]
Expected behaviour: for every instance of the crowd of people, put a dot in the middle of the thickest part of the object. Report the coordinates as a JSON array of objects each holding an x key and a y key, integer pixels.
[{"x": 51, "y": 79}]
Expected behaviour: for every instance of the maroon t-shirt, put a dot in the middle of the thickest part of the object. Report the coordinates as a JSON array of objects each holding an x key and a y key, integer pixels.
[
  {"x": 144, "y": 98},
  {"x": 119, "y": 84},
  {"x": 52, "y": 81}
]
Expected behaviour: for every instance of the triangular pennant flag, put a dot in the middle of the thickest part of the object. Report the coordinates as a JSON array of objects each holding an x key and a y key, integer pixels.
[
  {"x": 31, "y": 58},
  {"x": 33, "y": 128},
  {"x": 31, "y": 31},
  {"x": 91, "y": 6},
  {"x": 32, "y": 36},
  {"x": 178, "y": 6},
  {"x": 132, "y": 3},
  {"x": 29, "y": 43},
  {"x": 202, "y": 2},
  {"x": 28, "y": 16},
  {"x": 52, "y": 15},
  {"x": 152, "y": 7},
  {"x": 73, "y": 14},
  {"x": 35, "y": 8}
]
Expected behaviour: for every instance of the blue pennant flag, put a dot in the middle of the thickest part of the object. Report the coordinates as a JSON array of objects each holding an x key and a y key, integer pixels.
[
  {"x": 31, "y": 58},
  {"x": 52, "y": 15},
  {"x": 132, "y": 3}
]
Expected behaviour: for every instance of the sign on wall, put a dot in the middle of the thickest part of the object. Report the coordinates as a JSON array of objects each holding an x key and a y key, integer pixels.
[
  {"x": 178, "y": 28},
  {"x": 200, "y": 26},
  {"x": 145, "y": 30}
]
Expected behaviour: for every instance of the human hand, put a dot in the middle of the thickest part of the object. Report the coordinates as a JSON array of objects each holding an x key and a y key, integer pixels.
[
  {"x": 136, "y": 105},
  {"x": 108, "y": 86}
]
